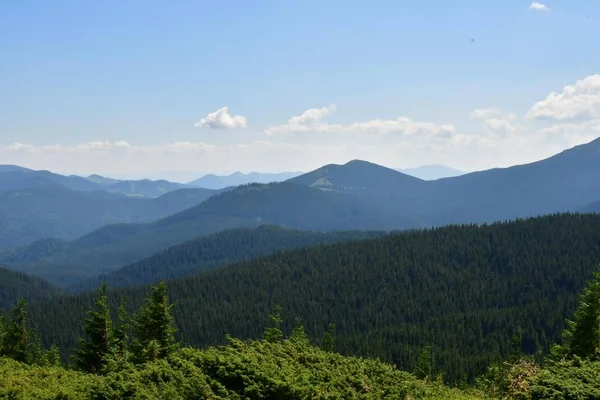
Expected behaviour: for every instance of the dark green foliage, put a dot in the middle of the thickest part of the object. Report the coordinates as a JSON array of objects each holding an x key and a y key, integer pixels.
[
  {"x": 582, "y": 336},
  {"x": 253, "y": 370},
  {"x": 216, "y": 250},
  {"x": 566, "y": 380},
  {"x": 466, "y": 290},
  {"x": 99, "y": 336},
  {"x": 16, "y": 285},
  {"x": 153, "y": 330}
]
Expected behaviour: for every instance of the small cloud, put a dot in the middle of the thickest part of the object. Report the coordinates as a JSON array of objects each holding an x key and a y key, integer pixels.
[
  {"x": 538, "y": 6},
  {"x": 312, "y": 121},
  {"x": 221, "y": 119},
  {"x": 496, "y": 121},
  {"x": 580, "y": 100}
]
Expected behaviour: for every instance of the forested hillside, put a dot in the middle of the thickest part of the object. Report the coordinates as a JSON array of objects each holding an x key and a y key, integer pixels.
[
  {"x": 137, "y": 356},
  {"x": 214, "y": 251},
  {"x": 15, "y": 285},
  {"x": 284, "y": 204},
  {"x": 465, "y": 290}
]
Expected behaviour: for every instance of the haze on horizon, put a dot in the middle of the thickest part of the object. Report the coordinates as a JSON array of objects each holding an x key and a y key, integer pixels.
[{"x": 155, "y": 89}]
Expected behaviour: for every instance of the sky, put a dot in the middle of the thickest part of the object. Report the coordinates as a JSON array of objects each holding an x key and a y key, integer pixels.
[{"x": 165, "y": 89}]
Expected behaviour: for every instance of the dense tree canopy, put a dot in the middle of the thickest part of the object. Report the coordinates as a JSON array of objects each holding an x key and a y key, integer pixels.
[{"x": 465, "y": 290}]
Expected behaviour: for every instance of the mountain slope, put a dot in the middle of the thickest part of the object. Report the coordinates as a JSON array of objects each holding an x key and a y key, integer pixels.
[
  {"x": 380, "y": 186},
  {"x": 283, "y": 204},
  {"x": 219, "y": 182},
  {"x": 564, "y": 182},
  {"x": 15, "y": 285},
  {"x": 49, "y": 210},
  {"x": 466, "y": 290},
  {"x": 12, "y": 178},
  {"x": 214, "y": 251},
  {"x": 594, "y": 208}
]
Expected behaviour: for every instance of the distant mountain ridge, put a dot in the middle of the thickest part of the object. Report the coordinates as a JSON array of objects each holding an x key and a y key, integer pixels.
[{"x": 212, "y": 181}]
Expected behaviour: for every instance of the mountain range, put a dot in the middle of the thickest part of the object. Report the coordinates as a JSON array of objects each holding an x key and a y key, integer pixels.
[{"x": 355, "y": 196}]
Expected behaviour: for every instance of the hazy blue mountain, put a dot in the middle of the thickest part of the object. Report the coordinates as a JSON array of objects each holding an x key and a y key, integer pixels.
[
  {"x": 565, "y": 182},
  {"x": 217, "y": 250},
  {"x": 16, "y": 179},
  {"x": 285, "y": 204},
  {"x": 432, "y": 172},
  {"x": 219, "y": 182},
  {"x": 49, "y": 210},
  {"x": 137, "y": 188},
  {"x": 10, "y": 168},
  {"x": 101, "y": 180},
  {"x": 591, "y": 208}
]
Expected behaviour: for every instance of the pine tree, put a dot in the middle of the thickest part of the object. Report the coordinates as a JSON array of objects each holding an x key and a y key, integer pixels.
[
  {"x": 154, "y": 333},
  {"x": 299, "y": 335},
  {"x": 3, "y": 336},
  {"x": 98, "y": 330},
  {"x": 17, "y": 337},
  {"x": 329, "y": 338},
  {"x": 423, "y": 368},
  {"x": 582, "y": 336},
  {"x": 274, "y": 333},
  {"x": 120, "y": 334}
]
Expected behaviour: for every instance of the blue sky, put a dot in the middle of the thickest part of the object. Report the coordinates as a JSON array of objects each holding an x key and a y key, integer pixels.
[{"x": 116, "y": 86}]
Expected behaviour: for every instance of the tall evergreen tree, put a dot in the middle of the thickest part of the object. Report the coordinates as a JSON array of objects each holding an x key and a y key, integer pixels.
[
  {"x": 329, "y": 338},
  {"x": 153, "y": 330},
  {"x": 17, "y": 338},
  {"x": 582, "y": 336},
  {"x": 121, "y": 333},
  {"x": 99, "y": 336},
  {"x": 3, "y": 335},
  {"x": 423, "y": 368},
  {"x": 274, "y": 333}
]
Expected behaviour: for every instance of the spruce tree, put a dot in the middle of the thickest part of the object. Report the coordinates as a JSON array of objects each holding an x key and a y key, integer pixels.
[
  {"x": 17, "y": 337},
  {"x": 3, "y": 336},
  {"x": 299, "y": 335},
  {"x": 274, "y": 333},
  {"x": 98, "y": 330},
  {"x": 423, "y": 368},
  {"x": 329, "y": 338},
  {"x": 582, "y": 336},
  {"x": 153, "y": 330}
]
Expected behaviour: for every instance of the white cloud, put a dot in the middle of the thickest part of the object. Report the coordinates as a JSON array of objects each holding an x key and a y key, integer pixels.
[
  {"x": 312, "y": 121},
  {"x": 538, "y": 6},
  {"x": 581, "y": 100},
  {"x": 496, "y": 121},
  {"x": 221, "y": 119}
]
